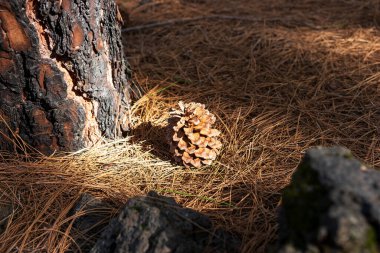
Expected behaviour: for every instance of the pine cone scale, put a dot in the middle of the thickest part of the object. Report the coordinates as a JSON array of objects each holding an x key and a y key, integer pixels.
[{"x": 193, "y": 141}]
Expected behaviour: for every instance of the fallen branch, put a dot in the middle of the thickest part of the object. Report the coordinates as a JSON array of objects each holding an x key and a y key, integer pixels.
[{"x": 187, "y": 20}]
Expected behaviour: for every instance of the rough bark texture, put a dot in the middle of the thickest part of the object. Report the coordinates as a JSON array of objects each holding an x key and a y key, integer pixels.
[{"x": 63, "y": 80}]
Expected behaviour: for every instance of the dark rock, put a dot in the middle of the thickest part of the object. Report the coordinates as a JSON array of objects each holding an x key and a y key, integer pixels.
[
  {"x": 93, "y": 216},
  {"x": 158, "y": 224},
  {"x": 331, "y": 205}
]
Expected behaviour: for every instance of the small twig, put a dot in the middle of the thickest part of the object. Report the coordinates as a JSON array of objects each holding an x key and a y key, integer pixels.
[{"x": 187, "y": 20}]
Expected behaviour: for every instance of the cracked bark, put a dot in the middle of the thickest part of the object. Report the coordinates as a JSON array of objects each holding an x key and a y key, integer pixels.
[{"x": 64, "y": 82}]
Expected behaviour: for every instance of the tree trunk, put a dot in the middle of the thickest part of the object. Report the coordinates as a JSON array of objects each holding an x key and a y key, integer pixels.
[{"x": 64, "y": 82}]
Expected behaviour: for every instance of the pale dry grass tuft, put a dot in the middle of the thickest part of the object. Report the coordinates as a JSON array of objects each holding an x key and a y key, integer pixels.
[
  {"x": 277, "y": 88},
  {"x": 42, "y": 190}
]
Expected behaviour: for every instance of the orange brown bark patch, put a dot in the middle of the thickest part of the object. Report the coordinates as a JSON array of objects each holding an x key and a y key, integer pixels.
[
  {"x": 40, "y": 120},
  {"x": 5, "y": 65},
  {"x": 90, "y": 36},
  {"x": 78, "y": 37},
  {"x": 18, "y": 40},
  {"x": 54, "y": 143},
  {"x": 5, "y": 55},
  {"x": 99, "y": 45},
  {"x": 66, "y": 5},
  {"x": 6, "y": 62},
  {"x": 43, "y": 127},
  {"x": 68, "y": 131},
  {"x": 92, "y": 14},
  {"x": 45, "y": 72}
]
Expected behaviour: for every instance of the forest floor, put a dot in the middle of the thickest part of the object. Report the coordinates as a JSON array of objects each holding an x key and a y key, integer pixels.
[{"x": 280, "y": 75}]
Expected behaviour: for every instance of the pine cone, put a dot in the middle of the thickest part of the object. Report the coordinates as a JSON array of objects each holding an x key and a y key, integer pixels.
[{"x": 192, "y": 139}]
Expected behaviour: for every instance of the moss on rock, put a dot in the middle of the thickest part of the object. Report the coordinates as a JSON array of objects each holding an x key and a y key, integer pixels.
[{"x": 331, "y": 205}]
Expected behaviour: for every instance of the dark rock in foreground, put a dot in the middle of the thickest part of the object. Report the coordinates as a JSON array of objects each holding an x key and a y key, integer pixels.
[
  {"x": 88, "y": 226},
  {"x": 158, "y": 224},
  {"x": 331, "y": 205}
]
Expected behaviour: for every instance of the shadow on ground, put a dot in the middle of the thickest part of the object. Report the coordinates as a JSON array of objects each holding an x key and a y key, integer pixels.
[{"x": 153, "y": 138}]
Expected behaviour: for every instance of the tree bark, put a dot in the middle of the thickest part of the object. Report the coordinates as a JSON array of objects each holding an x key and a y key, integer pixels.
[{"x": 64, "y": 82}]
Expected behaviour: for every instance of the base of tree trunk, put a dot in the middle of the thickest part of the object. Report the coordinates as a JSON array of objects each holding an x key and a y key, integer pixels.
[{"x": 64, "y": 82}]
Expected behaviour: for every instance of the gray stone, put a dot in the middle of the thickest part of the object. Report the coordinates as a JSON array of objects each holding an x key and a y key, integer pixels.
[
  {"x": 331, "y": 205},
  {"x": 158, "y": 224}
]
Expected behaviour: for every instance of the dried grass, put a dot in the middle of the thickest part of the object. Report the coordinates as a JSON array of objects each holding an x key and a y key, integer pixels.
[{"x": 277, "y": 88}]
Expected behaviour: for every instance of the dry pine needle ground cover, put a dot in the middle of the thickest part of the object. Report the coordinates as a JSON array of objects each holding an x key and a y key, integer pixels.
[{"x": 280, "y": 76}]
